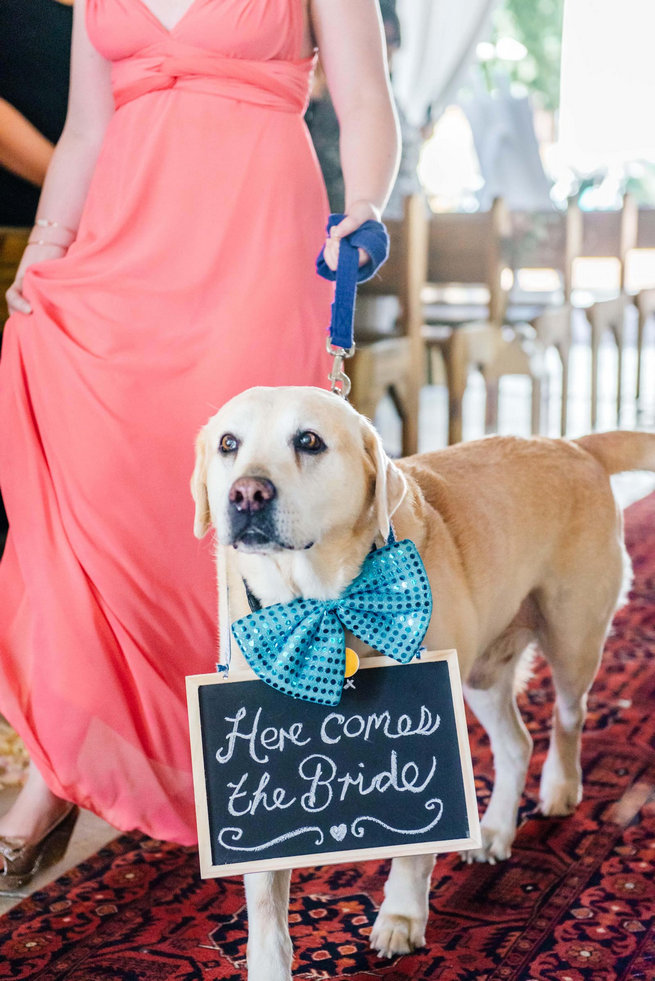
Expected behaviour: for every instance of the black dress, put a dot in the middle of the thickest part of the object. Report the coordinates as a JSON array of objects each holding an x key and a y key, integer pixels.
[{"x": 34, "y": 70}]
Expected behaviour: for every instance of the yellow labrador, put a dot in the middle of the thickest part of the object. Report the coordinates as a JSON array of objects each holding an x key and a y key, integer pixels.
[{"x": 522, "y": 541}]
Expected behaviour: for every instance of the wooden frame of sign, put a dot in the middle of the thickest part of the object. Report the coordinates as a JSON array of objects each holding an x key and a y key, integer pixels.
[{"x": 282, "y": 783}]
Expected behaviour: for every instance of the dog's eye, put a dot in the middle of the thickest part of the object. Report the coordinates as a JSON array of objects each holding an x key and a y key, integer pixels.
[
  {"x": 309, "y": 442},
  {"x": 228, "y": 443}
]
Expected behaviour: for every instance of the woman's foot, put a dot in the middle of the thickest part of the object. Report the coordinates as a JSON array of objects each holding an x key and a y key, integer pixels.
[
  {"x": 34, "y": 811},
  {"x": 34, "y": 833},
  {"x": 20, "y": 860}
]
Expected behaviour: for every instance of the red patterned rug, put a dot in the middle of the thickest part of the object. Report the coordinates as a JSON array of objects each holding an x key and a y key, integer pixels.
[{"x": 575, "y": 902}]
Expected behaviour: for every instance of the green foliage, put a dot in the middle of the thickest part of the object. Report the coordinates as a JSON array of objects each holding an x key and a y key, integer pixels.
[{"x": 538, "y": 25}]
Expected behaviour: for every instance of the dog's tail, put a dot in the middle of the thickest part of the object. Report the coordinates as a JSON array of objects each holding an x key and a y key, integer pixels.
[{"x": 619, "y": 451}]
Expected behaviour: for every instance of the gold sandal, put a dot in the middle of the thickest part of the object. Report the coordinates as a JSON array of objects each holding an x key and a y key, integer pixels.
[{"x": 23, "y": 859}]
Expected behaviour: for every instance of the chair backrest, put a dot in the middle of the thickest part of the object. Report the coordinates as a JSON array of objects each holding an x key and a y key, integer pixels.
[
  {"x": 646, "y": 229},
  {"x": 469, "y": 250},
  {"x": 546, "y": 240},
  {"x": 640, "y": 261},
  {"x": 611, "y": 235},
  {"x": 559, "y": 240},
  {"x": 403, "y": 274},
  {"x": 12, "y": 245}
]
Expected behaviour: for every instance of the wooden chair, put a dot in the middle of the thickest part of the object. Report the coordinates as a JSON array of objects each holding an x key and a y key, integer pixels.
[
  {"x": 466, "y": 258},
  {"x": 495, "y": 352},
  {"x": 389, "y": 358},
  {"x": 465, "y": 302},
  {"x": 645, "y": 302},
  {"x": 645, "y": 296},
  {"x": 546, "y": 243},
  {"x": 609, "y": 234},
  {"x": 12, "y": 244}
]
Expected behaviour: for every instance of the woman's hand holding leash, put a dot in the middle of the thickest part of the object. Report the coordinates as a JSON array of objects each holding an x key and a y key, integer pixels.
[
  {"x": 361, "y": 245},
  {"x": 356, "y": 215}
]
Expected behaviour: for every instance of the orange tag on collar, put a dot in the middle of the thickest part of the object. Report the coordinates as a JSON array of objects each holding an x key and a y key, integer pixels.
[{"x": 352, "y": 662}]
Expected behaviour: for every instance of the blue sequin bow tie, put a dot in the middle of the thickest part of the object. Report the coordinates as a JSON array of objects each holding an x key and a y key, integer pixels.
[{"x": 299, "y": 647}]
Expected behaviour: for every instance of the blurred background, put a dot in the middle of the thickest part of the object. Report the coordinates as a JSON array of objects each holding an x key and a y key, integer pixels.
[
  {"x": 533, "y": 101},
  {"x": 520, "y": 293},
  {"x": 525, "y": 212}
]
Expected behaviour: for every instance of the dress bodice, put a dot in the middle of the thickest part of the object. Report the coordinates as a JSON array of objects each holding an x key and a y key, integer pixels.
[{"x": 241, "y": 50}]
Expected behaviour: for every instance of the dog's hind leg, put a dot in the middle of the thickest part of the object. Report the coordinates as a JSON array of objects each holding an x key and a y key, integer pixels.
[
  {"x": 560, "y": 789},
  {"x": 400, "y": 924},
  {"x": 575, "y": 625},
  {"x": 270, "y": 951},
  {"x": 573, "y": 667},
  {"x": 496, "y": 708}
]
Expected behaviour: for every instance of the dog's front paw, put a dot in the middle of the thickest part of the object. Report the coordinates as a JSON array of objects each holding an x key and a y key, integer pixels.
[
  {"x": 271, "y": 964},
  {"x": 559, "y": 798},
  {"x": 496, "y": 847},
  {"x": 392, "y": 935}
]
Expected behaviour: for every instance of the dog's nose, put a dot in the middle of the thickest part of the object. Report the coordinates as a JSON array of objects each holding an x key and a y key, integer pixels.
[{"x": 251, "y": 493}]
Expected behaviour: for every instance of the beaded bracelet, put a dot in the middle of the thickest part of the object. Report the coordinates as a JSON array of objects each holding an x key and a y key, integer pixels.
[
  {"x": 42, "y": 241},
  {"x": 49, "y": 223},
  {"x": 62, "y": 236}
]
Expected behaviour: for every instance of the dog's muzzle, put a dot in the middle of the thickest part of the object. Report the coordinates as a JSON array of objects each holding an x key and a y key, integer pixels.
[{"x": 250, "y": 510}]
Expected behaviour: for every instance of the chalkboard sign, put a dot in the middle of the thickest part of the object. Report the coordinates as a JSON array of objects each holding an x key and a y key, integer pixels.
[{"x": 283, "y": 783}]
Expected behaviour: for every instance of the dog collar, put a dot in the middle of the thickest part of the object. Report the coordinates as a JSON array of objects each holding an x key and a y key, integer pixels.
[
  {"x": 299, "y": 647},
  {"x": 255, "y": 603}
]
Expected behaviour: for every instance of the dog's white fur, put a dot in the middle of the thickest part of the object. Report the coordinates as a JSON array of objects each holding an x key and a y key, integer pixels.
[{"x": 522, "y": 541}]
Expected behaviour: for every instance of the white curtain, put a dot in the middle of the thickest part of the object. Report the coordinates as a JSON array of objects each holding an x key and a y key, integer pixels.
[
  {"x": 438, "y": 43},
  {"x": 607, "y": 113},
  {"x": 507, "y": 149}
]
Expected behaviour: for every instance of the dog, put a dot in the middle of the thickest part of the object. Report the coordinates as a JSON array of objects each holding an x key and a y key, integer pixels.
[{"x": 521, "y": 540}]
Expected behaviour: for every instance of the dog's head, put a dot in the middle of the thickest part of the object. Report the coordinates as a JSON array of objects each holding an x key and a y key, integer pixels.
[{"x": 292, "y": 470}]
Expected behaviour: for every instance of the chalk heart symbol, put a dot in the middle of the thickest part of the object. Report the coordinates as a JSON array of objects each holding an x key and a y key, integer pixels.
[{"x": 338, "y": 831}]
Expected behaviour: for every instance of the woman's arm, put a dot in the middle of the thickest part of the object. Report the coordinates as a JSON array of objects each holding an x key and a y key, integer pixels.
[
  {"x": 351, "y": 46},
  {"x": 23, "y": 150},
  {"x": 90, "y": 107}
]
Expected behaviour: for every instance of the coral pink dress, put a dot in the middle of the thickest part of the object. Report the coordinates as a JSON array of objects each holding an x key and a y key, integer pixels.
[{"x": 192, "y": 278}]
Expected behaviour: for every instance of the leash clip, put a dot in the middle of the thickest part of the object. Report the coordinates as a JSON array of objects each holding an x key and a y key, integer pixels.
[{"x": 340, "y": 381}]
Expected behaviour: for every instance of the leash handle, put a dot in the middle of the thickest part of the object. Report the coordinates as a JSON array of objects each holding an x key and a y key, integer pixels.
[
  {"x": 343, "y": 307},
  {"x": 373, "y": 238}
]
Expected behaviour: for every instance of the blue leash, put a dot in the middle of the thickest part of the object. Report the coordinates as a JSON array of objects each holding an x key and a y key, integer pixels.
[{"x": 373, "y": 238}]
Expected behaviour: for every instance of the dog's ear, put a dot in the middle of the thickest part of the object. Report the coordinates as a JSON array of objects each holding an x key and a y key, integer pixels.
[
  {"x": 390, "y": 483},
  {"x": 202, "y": 519}
]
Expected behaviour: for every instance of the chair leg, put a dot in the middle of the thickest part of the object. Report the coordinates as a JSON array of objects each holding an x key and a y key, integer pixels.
[
  {"x": 617, "y": 330},
  {"x": 367, "y": 404},
  {"x": 410, "y": 419},
  {"x": 492, "y": 389},
  {"x": 537, "y": 392},
  {"x": 641, "y": 323},
  {"x": 455, "y": 423},
  {"x": 564, "y": 407},
  {"x": 594, "y": 377},
  {"x": 456, "y": 364},
  {"x": 398, "y": 400}
]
